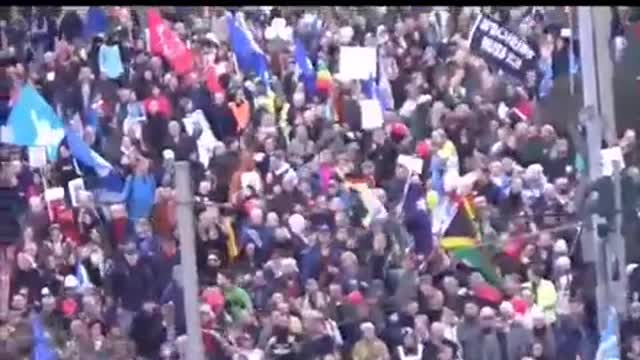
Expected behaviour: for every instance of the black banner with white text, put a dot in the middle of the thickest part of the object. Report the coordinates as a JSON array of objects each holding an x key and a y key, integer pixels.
[{"x": 504, "y": 49}]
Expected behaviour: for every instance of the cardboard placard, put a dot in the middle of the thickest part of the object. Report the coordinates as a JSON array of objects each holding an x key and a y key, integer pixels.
[
  {"x": 608, "y": 157},
  {"x": 53, "y": 194},
  {"x": 37, "y": 156},
  {"x": 412, "y": 163},
  {"x": 75, "y": 187},
  {"x": 358, "y": 62},
  {"x": 53, "y": 197},
  {"x": 372, "y": 116}
]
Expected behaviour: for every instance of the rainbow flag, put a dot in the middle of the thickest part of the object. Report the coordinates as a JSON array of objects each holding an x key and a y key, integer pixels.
[
  {"x": 461, "y": 240},
  {"x": 324, "y": 81},
  {"x": 375, "y": 209}
]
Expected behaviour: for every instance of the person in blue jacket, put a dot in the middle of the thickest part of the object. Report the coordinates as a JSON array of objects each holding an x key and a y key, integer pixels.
[{"x": 139, "y": 192}]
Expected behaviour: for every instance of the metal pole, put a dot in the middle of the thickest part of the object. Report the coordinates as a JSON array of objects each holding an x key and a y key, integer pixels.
[
  {"x": 591, "y": 244},
  {"x": 618, "y": 246},
  {"x": 590, "y": 110},
  {"x": 602, "y": 18},
  {"x": 587, "y": 59},
  {"x": 616, "y": 252},
  {"x": 186, "y": 224},
  {"x": 572, "y": 81}
]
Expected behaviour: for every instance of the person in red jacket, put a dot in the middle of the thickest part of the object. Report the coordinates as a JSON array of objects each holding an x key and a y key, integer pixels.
[{"x": 158, "y": 101}]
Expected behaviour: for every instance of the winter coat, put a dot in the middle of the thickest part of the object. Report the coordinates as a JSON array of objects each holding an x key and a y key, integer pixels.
[
  {"x": 139, "y": 194},
  {"x": 71, "y": 26},
  {"x": 222, "y": 121},
  {"x": 132, "y": 285},
  {"x": 148, "y": 332},
  {"x": 519, "y": 341}
]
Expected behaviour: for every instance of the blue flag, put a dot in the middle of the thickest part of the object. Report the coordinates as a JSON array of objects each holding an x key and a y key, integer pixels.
[
  {"x": 86, "y": 155},
  {"x": 96, "y": 23},
  {"x": 546, "y": 84},
  {"x": 305, "y": 68},
  {"x": 42, "y": 347},
  {"x": 248, "y": 54},
  {"x": 33, "y": 122},
  {"x": 609, "y": 348}
]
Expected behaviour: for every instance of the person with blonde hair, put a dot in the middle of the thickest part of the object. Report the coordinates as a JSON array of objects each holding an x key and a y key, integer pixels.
[{"x": 370, "y": 347}]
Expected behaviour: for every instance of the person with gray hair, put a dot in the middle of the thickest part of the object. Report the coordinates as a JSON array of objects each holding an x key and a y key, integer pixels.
[{"x": 370, "y": 347}]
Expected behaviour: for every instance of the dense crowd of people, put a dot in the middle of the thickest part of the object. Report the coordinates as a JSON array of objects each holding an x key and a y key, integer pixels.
[{"x": 315, "y": 238}]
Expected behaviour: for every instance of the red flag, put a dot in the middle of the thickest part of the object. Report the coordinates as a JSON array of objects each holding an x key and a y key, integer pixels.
[
  {"x": 488, "y": 293},
  {"x": 164, "y": 41}
]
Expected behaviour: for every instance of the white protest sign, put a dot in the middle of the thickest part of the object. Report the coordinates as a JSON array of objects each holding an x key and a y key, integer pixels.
[
  {"x": 372, "y": 116},
  {"x": 75, "y": 187},
  {"x": 608, "y": 157},
  {"x": 53, "y": 194},
  {"x": 357, "y": 62},
  {"x": 411, "y": 162},
  {"x": 37, "y": 156},
  {"x": 207, "y": 140}
]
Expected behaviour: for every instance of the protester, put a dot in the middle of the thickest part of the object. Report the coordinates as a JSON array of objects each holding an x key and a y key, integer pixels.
[{"x": 428, "y": 212}]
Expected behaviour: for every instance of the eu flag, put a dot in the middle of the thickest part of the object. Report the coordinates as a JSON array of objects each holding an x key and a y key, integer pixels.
[
  {"x": 305, "y": 68},
  {"x": 249, "y": 55}
]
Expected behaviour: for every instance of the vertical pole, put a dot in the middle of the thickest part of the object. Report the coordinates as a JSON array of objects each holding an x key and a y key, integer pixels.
[
  {"x": 587, "y": 60},
  {"x": 591, "y": 244},
  {"x": 572, "y": 81},
  {"x": 618, "y": 246},
  {"x": 186, "y": 224},
  {"x": 602, "y": 18},
  {"x": 616, "y": 252}
]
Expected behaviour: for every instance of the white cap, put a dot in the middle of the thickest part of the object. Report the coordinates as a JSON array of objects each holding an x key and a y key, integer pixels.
[
  {"x": 168, "y": 154},
  {"x": 71, "y": 282},
  {"x": 561, "y": 247}
]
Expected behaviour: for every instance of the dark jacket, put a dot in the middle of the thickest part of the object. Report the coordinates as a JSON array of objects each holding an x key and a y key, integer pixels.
[
  {"x": 162, "y": 266},
  {"x": 222, "y": 122},
  {"x": 132, "y": 285},
  {"x": 71, "y": 26},
  {"x": 573, "y": 338},
  {"x": 175, "y": 294},
  {"x": 183, "y": 148},
  {"x": 149, "y": 333},
  {"x": 352, "y": 114},
  {"x": 384, "y": 158}
]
